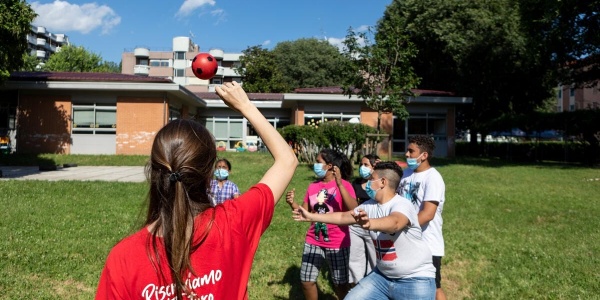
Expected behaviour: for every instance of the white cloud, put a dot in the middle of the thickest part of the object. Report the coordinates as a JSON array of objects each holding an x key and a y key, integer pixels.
[
  {"x": 336, "y": 42},
  {"x": 362, "y": 28},
  {"x": 189, "y": 6},
  {"x": 62, "y": 16},
  {"x": 220, "y": 15},
  {"x": 266, "y": 43}
]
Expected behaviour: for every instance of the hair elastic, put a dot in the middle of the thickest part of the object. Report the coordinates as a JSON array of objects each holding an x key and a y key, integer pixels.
[{"x": 175, "y": 176}]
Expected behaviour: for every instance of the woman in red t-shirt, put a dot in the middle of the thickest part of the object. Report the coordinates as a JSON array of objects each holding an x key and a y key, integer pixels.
[{"x": 186, "y": 248}]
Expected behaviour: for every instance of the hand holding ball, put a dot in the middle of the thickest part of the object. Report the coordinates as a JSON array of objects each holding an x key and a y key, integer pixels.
[{"x": 204, "y": 66}]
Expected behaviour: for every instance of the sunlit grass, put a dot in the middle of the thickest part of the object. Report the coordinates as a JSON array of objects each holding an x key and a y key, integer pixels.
[{"x": 512, "y": 232}]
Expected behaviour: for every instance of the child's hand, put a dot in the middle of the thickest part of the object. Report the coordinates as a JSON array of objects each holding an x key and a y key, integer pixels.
[
  {"x": 337, "y": 175},
  {"x": 300, "y": 214},
  {"x": 361, "y": 218},
  {"x": 233, "y": 95},
  {"x": 289, "y": 197}
]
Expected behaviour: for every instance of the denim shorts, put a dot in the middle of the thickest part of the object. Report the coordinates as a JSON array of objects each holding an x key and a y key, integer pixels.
[{"x": 376, "y": 286}]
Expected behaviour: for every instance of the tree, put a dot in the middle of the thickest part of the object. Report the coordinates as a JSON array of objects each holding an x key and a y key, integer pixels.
[
  {"x": 309, "y": 62},
  {"x": 30, "y": 63},
  {"x": 110, "y": 67},
  {"x": 568, "y": 30},
  {"x": 15, "y": 22},
  {"x": 260, "y": 71},
  {"x": 380, "y": 73},
  {"x": 78, "y": 59},
  {"x": 478, "y": 49}
]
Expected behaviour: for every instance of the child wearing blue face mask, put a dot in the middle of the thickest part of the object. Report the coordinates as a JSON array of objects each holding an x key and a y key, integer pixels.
[
  {"x": 424, "y": 186},
  {"x": 221, "y": 188},
  {"x": 362, "y": 249},
  {"x": 333, "y": 170},
  {"x": 404, "y": 268}
]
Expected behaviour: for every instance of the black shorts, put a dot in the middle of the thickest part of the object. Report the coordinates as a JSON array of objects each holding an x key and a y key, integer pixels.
[{"x": 437, "y": 263}]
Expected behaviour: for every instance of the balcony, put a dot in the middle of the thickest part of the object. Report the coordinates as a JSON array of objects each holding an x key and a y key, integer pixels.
[
  {"x": 41, "y": 30},
  {"x": 217, "y": 53},
  {"x": 141, "y": 70},
  {"x": 220, "y": 72},
  {"x": 141, "y": 52},
  {"x": 40, "y": 42},
  {"x": 40, "y": 54}
]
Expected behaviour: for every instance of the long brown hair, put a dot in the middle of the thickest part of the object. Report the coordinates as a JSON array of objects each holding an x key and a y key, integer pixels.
[{"x": 180, "y": 168}]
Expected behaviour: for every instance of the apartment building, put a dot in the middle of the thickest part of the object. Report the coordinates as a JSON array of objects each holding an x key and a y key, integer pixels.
[
  {"x": 43, "y": 43},
  {"x": 175, "y": 65},
  {"x": 571, "y": 98}
]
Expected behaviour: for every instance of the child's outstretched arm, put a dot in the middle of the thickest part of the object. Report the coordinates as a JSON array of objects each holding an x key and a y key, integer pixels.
[
  {"x": 337, "y": 218},
  {"x": 280, "y": 174}
]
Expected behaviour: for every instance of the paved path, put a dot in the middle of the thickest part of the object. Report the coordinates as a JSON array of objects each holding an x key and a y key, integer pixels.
[{"x": 83, "y": 173}]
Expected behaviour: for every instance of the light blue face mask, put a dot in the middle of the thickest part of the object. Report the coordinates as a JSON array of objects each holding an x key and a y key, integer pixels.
[
  {"x": 413, "y": 163},
  {"x": 371, "y": 192},
  {"x": 221, "y": 174},
  {"x": 364, "y": 171},
  {"x": 319, "y": 171}
]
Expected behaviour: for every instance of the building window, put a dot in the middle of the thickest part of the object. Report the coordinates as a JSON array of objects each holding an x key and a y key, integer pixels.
[
  {"x": 572, "y": 107},
  {"x": 572, "y": 92},
  {"x": 141, "y": 61},
  {"x": 7, "y": 116},
  {"x": 179, "y": 72},
  {"x": 310, "y": 117},
  {"x": 426, "y": 124},
  {"x": 179, "y": 55},
  {"x": 174, "y": 113},
  {"x": 94, "y": 119},
  {"x": 559, "y": 93},
  {"x": 159, "y": 62},
  {"x": 232, "y": 130},
  {"x": 227, "y": 129}
]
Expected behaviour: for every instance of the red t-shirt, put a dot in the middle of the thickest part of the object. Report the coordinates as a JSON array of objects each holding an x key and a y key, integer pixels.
[{"x": 222, "y": 263}]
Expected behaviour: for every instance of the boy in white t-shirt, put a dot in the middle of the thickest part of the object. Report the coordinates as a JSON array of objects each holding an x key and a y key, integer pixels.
[
  {"x": 424, "y": 187},
  {"x": 404, "y": 267}
]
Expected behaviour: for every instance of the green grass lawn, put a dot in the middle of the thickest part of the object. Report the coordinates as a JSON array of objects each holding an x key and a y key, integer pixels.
[{"x": 512, "y": 231}]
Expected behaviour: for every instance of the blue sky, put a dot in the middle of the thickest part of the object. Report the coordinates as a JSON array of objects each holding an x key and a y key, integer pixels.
[{"x": 110, "y": 27}]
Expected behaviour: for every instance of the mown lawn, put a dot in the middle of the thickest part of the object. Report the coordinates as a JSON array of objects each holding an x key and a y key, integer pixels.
[{"x": 512, "y": 231}]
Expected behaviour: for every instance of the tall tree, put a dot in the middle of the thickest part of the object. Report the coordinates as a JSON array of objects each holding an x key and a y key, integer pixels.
[
  {"x": 309, "y": 62},
  {"x": 77, "y": 59},
  {"x": 15, "y": 22},
  {"x": 30, "y": 63},
  {"x": 260, "y": 71},
  {"x": 568, "y": 31},
  {"x": 479, "y": 49},
  {"x": 380, "y": 73}
]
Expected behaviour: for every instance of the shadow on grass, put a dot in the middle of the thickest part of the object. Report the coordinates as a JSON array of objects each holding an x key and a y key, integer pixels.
[
  {"x": 25, "y": 160},
  {"x": 292, "y": 278}
]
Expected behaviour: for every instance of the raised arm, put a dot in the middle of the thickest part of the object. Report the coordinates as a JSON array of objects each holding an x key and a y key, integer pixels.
[
  {"x": 349, "y": 202},
  {"x": 280, "y": 174}
]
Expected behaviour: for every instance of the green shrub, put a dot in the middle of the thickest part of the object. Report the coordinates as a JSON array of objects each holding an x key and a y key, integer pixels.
[{"x": 308, "y": 140}]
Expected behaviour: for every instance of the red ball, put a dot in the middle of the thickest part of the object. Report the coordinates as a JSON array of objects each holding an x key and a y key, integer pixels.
[{"x": 204, "y": 66}]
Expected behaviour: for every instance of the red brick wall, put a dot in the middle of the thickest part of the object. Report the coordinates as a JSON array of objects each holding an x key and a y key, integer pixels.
[
  {"x": 138, "y": 120},
  {"x": 44, "y": 124}
]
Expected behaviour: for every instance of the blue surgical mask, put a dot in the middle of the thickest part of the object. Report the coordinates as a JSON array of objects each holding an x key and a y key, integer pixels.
[
  {"x": 413, "y": 163},
  {"x": 319, "y": 171},
  {"x": 221, "y": 174},
  {"x": 371, "y": 192},
  {"x": 364, "y": 171}
]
